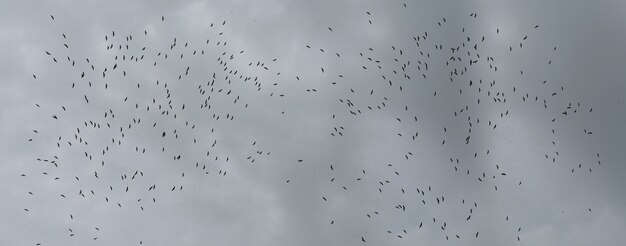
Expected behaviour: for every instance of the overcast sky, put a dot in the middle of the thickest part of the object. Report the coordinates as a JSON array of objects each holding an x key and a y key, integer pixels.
[{"x": 217, "y": 122}]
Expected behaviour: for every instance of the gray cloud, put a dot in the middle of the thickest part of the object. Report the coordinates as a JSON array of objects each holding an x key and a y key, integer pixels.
[{"x": 253, "y": 203}]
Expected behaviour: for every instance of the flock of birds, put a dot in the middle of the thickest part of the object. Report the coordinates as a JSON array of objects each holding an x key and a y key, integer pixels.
[{"x": 128, "y": 98}]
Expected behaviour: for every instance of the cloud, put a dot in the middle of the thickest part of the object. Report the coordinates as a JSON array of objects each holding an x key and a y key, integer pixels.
[{"x": 243, "y": 183}]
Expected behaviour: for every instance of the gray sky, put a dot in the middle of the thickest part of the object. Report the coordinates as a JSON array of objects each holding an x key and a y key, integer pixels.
[{"x": 250, "y": 188}]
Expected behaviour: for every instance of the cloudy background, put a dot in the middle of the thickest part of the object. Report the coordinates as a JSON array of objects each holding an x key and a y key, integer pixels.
[{"x": 253, "y": 204}]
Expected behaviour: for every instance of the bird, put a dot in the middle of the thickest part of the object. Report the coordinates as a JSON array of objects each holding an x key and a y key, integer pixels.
[{"x": 371, "y": 102}]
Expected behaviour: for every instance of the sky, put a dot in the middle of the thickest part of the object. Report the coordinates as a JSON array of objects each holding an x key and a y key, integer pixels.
[{"x": 327, "y": 122}]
